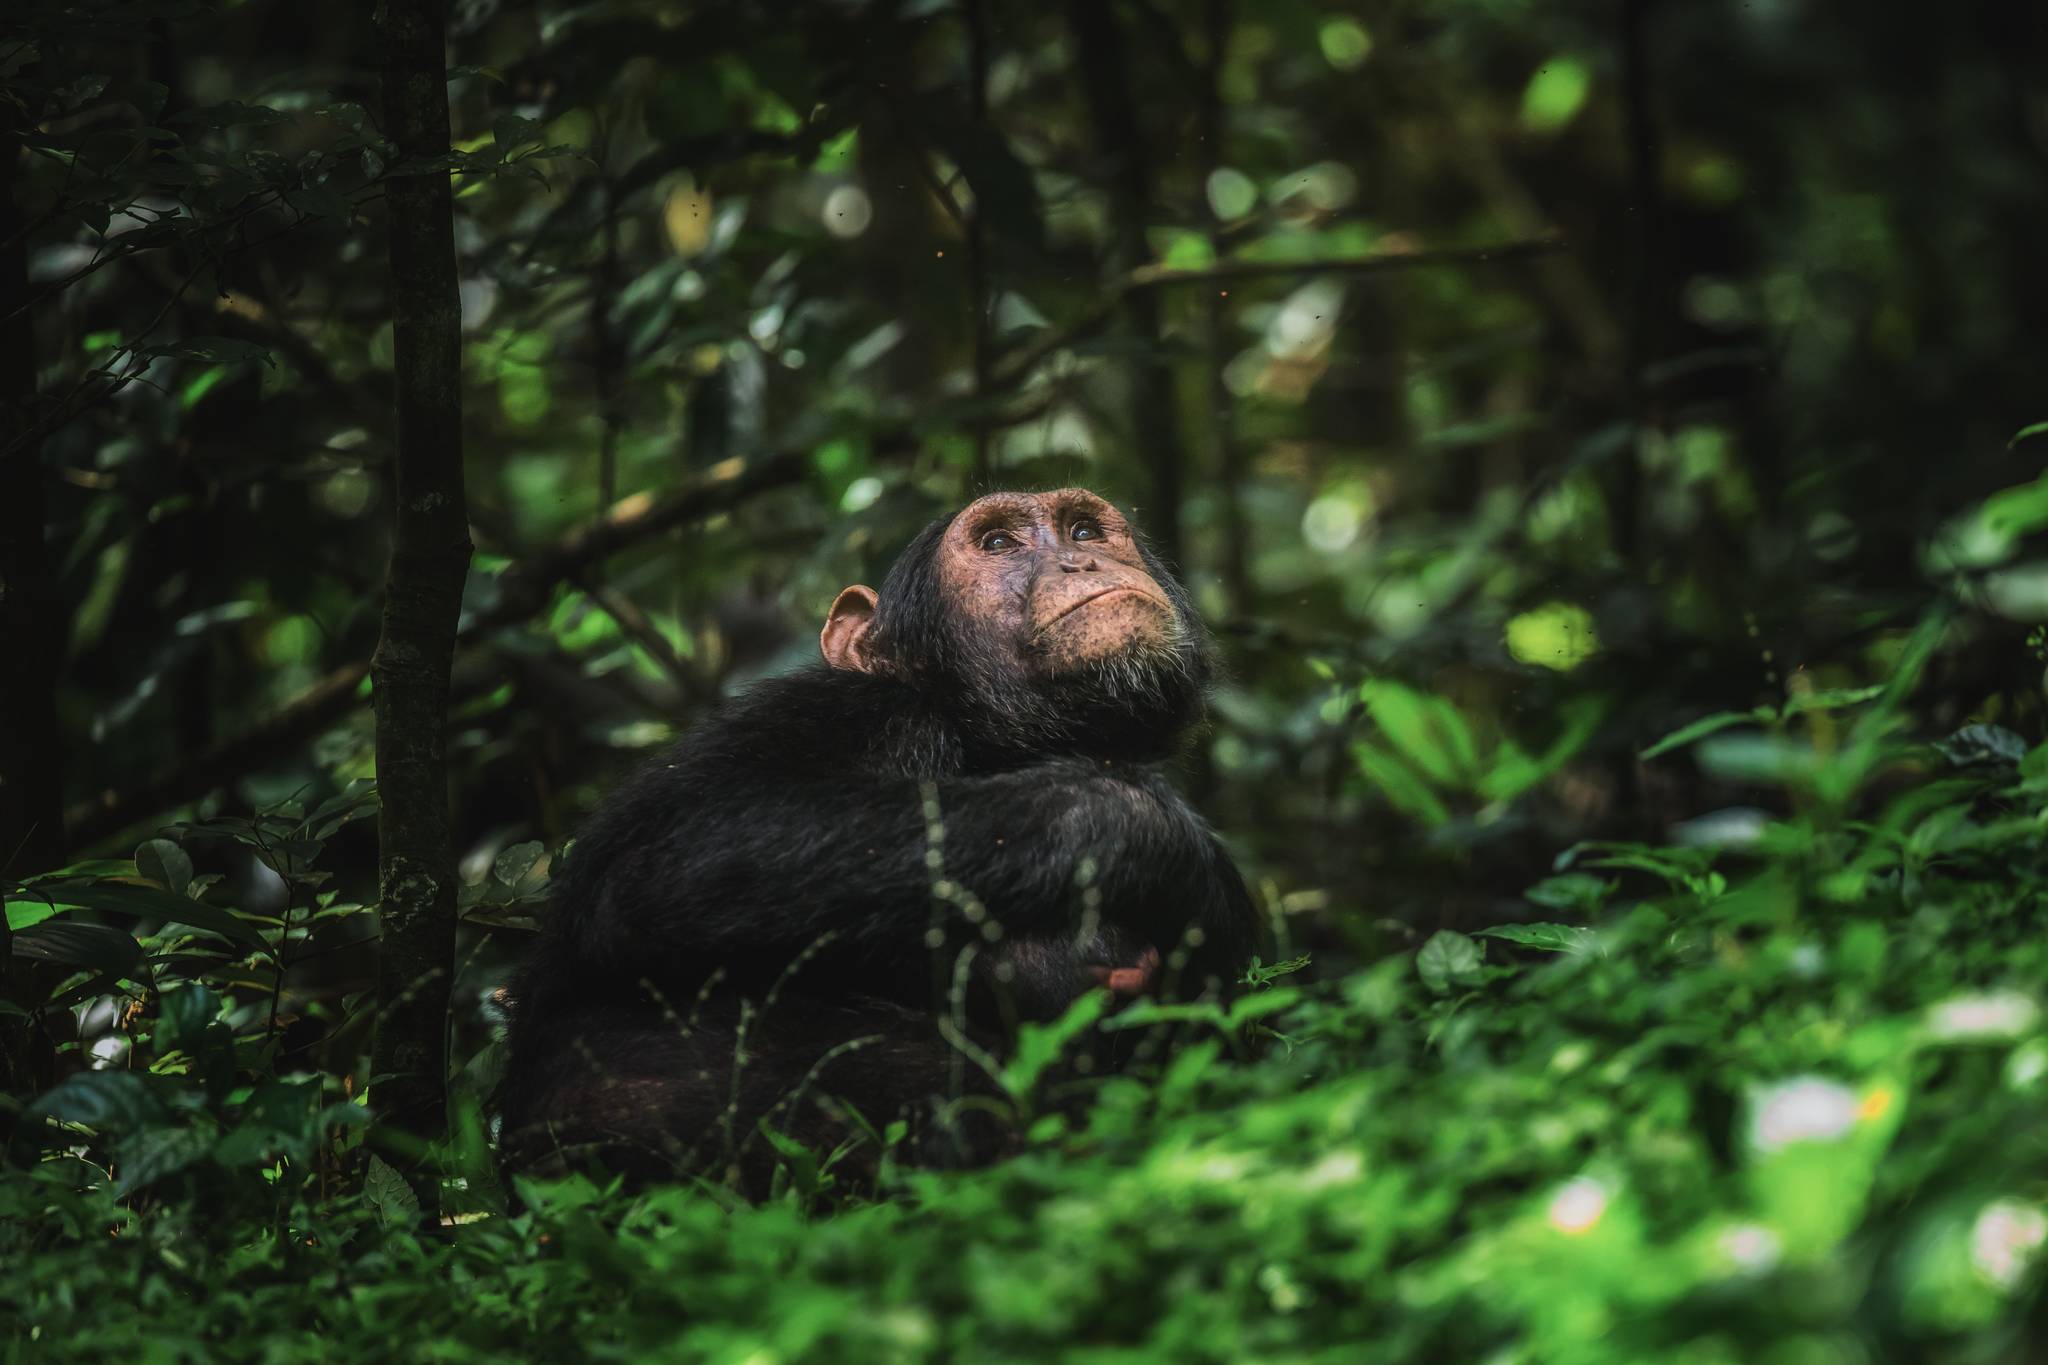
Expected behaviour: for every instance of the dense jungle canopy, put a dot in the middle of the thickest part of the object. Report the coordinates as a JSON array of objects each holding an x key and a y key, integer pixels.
[{"x": 1604, "y": 440}]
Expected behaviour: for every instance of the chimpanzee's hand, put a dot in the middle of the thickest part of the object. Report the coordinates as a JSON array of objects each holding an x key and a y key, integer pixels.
[{"x": 1132, "y": 981}]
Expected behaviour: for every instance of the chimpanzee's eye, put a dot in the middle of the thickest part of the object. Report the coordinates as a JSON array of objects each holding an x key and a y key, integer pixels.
[
  {"x": 995, "y": 542},
  {"x": 1086, "y": 528}
]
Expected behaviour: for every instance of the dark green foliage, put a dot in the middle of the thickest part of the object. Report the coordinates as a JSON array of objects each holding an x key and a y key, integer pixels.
[{"x": 1603, "y": 437}]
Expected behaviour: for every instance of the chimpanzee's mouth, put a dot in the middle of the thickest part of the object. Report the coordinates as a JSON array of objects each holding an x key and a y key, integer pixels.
[{"x": 1110, "y": 591}]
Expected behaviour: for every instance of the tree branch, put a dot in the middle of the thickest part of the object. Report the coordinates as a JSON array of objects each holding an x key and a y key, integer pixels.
[
  {"x": 1020, "y": 363},
  {"x": 523, "y": 589}
]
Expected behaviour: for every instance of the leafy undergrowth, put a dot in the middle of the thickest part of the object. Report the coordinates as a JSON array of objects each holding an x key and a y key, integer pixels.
[{"x": 1781, "y": 1099}]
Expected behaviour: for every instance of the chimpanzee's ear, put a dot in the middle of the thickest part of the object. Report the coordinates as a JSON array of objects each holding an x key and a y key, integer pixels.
[{"x": 846, "y": 636}]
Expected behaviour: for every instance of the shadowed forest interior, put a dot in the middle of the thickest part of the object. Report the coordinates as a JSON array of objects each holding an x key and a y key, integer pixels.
[{"x": 1603, "y": 440}]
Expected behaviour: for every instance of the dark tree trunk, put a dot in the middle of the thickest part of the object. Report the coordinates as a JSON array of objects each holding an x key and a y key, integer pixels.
[
  {"x": 1106, "y": 81},
  {"x": 1235, "y": 568},
  {"x": 1645, "y": 277},
  {"x": 31, "y": 755},
  {"x": 976, "y": 13},
  {"x": 423, "y": 593}
]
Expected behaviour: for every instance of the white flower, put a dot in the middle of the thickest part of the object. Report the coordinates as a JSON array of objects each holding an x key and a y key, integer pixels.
[
  {"x": 1749, "y": 1246},
  {"x": 1578, "y": 1205},
  {"x": 2028, "y": 1063},
  {"x": 2004, "y": 1239},
  {"x": 1805, "y": 1109},
  {"x": 2000, "y": 1014}
]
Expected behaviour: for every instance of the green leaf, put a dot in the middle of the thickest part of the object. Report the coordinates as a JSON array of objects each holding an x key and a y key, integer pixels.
[
  {"x": 512, "y": 132},
  {"x": 1257, "y": 1006},
  {"x": 1040, "y": 1045},
  {"x": 108, "y": 1101},
  {"x": 347, "y": 113},
  {"x": 282, "y": 1118},
  {"x": 1399, "y": 782},
  {"x": 1982, "y": 744},
  {"x": 211, "y": 350},
  {"x": 1827, "y": 699},
  {"x": 2027, "y": 433},
  {"x": 1570, "y": 891},
  {"x": 341, "y": 809},
  {"x": 149, "y": 1154},
  {"x": 164, "y": 863},
  {"x": 1555, "y": 94},
  {"x": 1703, "y": 727},
  {"x": 111, "y": 952},
  {"x": 318, "y": 201},
  {"x": 1426, "y": 730},
  {"x": 515, "y": 865},
  {"x": 139, "y": 902},
  {"x": 799, "y": 1161},
  {"x": 1759, "y": 758},
  {"x": 388, "y": 1193},
  {"x": 1448, "y": 958},
  {"x": 232, "y": 114},
  {"x": 1513, "y": 772},
  {"x": 1554, "y": 938},
  {"x": 185, "y": 1015}
]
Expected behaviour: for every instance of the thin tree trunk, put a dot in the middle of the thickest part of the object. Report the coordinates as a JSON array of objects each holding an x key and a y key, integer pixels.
[
  {"x": 423, "y": 594},
  {"x": 1236, "y": 573},
  {"x": 31, "y": 754},
  {"x": 1106, "y": 81},
  {"x": 977, "y": 250},
  {"x": 608, "y": 351},
  {"x": 1644, "y": 281}
]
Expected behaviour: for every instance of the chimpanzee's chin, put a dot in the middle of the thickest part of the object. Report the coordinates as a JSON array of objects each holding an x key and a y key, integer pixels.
[{"x": 1140, "y": 698}]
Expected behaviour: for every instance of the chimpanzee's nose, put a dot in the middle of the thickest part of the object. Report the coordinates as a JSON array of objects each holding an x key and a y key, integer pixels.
[{"x": 1074, "y": 564}]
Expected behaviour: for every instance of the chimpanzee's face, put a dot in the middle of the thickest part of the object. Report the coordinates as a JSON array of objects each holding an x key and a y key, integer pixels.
[
  {"x": 1039, "y": 622},
  {"x": 1060, "y": 577}
]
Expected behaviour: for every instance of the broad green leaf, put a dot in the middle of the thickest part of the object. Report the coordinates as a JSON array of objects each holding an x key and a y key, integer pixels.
[
  {"x": 1570, "y": 891},
  {"x": 515, "y": 865},
  {"x": 1400, "y": 783},
  {"x": 1448, "y": 958},
  {"x": 139, "y": 902},
  {"x": 1555, "y": 94},
  {"x": 389, "y": 1195},
  {"x": 1557, "y": 635},
  {"x": 1982, "y": 744},
  {"x": 111, "y": 952},
  {"x": 1426, "y": 730},
  {"x": 164, "y": 863},
  {"x": 147, "y": 1155},
  {"x": 185, "y": 1016},
  {"x": 109, "y": 1101}
]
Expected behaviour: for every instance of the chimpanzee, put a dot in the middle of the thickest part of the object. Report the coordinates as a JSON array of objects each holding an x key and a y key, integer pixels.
[{"x": 835, "y": 899}]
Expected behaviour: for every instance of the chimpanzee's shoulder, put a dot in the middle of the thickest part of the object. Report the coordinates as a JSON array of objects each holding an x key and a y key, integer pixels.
[{"x": 813, "y": 722}]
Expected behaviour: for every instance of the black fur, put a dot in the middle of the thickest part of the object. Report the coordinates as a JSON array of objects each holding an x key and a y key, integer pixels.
[{"x": 766, "y": 891}]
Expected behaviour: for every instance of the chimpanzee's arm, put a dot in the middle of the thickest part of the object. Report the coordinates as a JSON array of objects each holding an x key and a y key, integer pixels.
[{"x": 688, "y": 869}]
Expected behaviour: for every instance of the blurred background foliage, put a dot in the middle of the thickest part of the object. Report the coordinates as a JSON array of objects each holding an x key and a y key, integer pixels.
[
  {"x": 1515, "y": 385},
  {"x": 1697, "y": 456}
]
